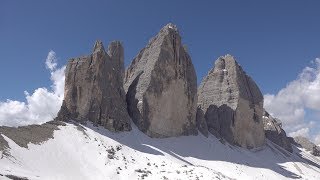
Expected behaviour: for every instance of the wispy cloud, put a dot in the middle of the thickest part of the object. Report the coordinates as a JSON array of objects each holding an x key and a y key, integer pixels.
[
  {"x": 51, "y": 61},
  {"x": 42, "y": 105},
  {"x": 300, "y": 96}
]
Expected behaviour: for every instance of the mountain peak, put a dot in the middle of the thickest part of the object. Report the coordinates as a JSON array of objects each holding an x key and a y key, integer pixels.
[
  {"x": 161, "y": 87},
  {"x": 98, "y": 46},
  {"x": 170, "y": 27}
]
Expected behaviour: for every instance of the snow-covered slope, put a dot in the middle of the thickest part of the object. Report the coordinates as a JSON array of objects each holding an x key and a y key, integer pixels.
[{"x": 88, "y": 152}]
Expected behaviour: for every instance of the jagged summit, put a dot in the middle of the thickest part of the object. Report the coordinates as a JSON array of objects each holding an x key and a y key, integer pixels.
[
  {"x": 116, "y": 53},
  {"x": 220, "y": 63},
  {"x": 113, "y": 48},
  {"x": 94, "y": 89},
  {"x": 171, "y": 27},
  {"x": 98, "y": 47}
]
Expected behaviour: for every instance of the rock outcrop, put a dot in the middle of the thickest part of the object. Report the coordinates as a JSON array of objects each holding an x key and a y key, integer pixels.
[
  {"x": 32, "y": 134},
  {"x": 232, "y": 104},
  {"x": 161, "y": 87},
  {"x": 94, "y": 89},
  {"x": 306, "y": 144},
  {"x": 274, "y": 132}
]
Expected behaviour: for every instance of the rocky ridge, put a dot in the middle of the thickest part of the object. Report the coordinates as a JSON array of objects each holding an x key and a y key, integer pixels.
[
  {"x": 24, "y": 135},
  {"x": 306, "y": 144},
  {"x": 275, "y": 133}
]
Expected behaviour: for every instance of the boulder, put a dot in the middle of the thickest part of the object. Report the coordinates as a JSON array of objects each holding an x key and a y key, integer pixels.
[
  {"x": 94, "y": 89},
  {"x": 274, "y": 132},
  {"x": 161, "y": 87},
  {"x": 232, "y": 104}
]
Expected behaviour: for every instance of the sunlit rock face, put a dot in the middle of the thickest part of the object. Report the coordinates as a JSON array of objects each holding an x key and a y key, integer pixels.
[
  {"x": 161, "y": 87},
  {"x": 232, "y": 104},
  {"x": 94, "y": 89}
]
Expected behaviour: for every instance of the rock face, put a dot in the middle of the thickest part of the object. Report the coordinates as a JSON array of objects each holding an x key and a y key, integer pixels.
[
  {"x": 274, "y": 132},
  {"x": 201, "y": 122},
  {"x": 94, "y": 89},
  {"x": 161, "y": 87},
  {"x": 306, "y": 144},
  {"x": 233, "y": 104}
]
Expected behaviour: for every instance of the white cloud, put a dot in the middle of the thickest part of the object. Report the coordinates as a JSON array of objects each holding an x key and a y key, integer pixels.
[
  {"x": 42, "y": 105},
  {"x": 317, "y": 140},
  {"x": 291, "y": 103},
  {"x": 51, "y": 61},
  {"x": 304, "y": 132}
]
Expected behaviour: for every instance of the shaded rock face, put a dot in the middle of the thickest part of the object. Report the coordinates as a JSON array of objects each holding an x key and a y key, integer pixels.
[
  {"x": 94, "y": 89},
  {"x": 306, "y": 144},
  {"x": 274, "y": 132},
  {"x": 201, "y": 122},
  {"x": 233, "y": 104},
  {"x": 161, "y": 86}
]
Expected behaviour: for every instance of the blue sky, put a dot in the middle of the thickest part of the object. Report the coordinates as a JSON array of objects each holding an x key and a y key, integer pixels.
[{"x": 273, "y": 40}]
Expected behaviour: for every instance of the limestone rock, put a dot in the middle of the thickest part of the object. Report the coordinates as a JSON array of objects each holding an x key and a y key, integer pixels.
[
  {"x": 274, "y": 132},
  {"x": 306, "y": 144},
  {"x": 94, "y": 89},
  {"x": 201, "y": 122},
  {"x": 161, "y": 87},
  {"x": 233, "y": 104}
]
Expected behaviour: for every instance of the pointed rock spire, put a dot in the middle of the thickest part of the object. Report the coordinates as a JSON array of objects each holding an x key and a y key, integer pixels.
[
  {"x": 161, "y": 86},
  {"x": 116, "y": 53},
  {"x": 171, "y": 27},
  {"x": 94, "y": 90},
  {"x": 232, "y": 103},
  {"x": 98, "y": 47}
]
